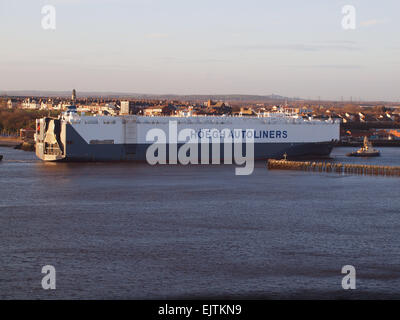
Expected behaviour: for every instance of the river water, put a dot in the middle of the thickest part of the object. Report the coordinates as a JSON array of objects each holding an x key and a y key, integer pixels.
[{"x": 132, "y": 231}]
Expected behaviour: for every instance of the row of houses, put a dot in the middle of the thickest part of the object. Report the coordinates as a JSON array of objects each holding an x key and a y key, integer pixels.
[
  {"x": 32, "y": 104},
  {"x": 174, "y": 108},
  {"x": 51, "y": 105},
  {"x": 372, "y": 134},
  {"x": 177, "y": 108},
  {"x": 364, "y": 117}
]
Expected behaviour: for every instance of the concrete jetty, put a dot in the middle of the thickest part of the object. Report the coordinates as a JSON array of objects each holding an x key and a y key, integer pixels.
[{"x": 360, "y": 169}]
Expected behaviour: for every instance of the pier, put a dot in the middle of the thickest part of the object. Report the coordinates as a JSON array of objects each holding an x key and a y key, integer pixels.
[{"x": 359, "y": 169}]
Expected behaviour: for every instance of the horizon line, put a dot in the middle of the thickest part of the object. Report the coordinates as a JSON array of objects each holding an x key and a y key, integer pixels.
[{"x": 127, "y": 94}]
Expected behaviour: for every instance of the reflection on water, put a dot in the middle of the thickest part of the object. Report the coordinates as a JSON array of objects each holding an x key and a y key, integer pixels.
[{"x": 127, "y": 230}]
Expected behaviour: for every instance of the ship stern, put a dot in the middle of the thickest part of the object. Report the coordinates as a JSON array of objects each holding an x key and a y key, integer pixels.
[{"x": 49, "y": 139}]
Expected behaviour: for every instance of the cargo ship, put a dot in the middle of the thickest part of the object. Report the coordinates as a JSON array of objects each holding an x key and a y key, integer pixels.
[{"x": 74, "y": 137}]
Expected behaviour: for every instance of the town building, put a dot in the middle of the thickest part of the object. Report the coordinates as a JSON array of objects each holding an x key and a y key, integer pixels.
[
  {"x": 11, "y": 104},
  {"x": 127, "y": 107}
]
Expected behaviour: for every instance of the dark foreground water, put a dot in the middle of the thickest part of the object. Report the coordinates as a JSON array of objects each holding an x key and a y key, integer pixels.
[{"x": 135, "y": 231}]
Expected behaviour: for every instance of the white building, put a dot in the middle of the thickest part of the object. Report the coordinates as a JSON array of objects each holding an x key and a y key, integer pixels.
[{"x": 11, "y": 104}]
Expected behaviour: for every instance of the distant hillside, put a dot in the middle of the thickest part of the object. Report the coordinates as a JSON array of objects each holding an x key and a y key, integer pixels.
[{"x": 202, "y": 97}]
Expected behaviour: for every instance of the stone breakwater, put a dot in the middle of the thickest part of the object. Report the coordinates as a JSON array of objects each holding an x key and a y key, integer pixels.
[{"x": 359, "y": 169}]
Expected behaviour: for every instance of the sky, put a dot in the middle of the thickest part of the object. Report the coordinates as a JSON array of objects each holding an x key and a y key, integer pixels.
[{"x": 288, "y": 47}]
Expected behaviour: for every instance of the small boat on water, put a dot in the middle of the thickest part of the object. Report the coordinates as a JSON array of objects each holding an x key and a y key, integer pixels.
[{"x": 366, "y": 151}]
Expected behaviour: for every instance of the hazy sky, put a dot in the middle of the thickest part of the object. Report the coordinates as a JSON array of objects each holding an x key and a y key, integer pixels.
[{"x": 292, "y": 48}]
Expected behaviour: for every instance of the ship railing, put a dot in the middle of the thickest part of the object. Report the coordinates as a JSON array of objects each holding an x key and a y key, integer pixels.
[{"x": 217, "y": 120}]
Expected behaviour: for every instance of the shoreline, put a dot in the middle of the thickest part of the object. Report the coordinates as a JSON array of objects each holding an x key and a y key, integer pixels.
[
  {"x": 10, "y": 141},
  {"x": 17, "y": 143},
  {"x": 376, "y": 143}
]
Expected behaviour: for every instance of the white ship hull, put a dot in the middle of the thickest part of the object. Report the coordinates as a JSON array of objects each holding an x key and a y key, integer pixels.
[{"x": 125, "y": 138}]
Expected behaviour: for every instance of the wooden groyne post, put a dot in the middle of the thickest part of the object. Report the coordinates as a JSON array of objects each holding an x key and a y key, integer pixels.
[{"x": 360, "y": 169}]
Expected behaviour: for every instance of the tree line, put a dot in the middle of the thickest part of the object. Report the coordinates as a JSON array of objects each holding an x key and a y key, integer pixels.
[{"x": 11, "y": 121}]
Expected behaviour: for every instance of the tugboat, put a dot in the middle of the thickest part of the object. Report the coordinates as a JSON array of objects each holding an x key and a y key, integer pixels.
[{"x": 366, "y": 151}]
